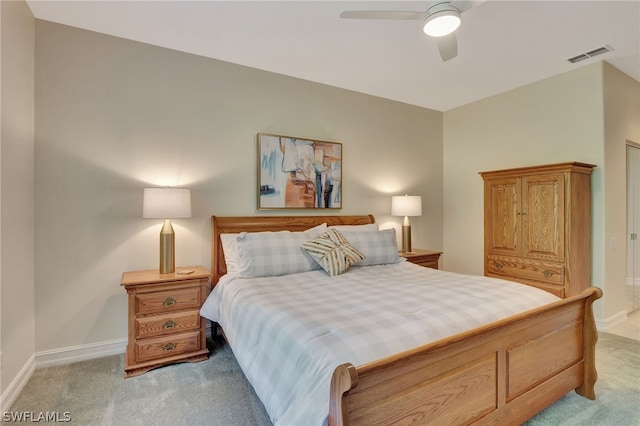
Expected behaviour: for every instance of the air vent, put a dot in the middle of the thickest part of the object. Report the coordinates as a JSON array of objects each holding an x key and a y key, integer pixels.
[{"x": 590, "y": 54}]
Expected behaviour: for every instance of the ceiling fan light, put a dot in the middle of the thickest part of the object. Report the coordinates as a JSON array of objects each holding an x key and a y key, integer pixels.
[{"x": 442, "y": 22}]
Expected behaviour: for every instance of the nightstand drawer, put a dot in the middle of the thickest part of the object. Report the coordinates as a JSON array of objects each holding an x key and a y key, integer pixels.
[
  {"x": 167, "y": 301},
  {"x": 426, "y": 263},
  {"x": 426, "y": 258},
  {"x": 167, "y": 346},
  {"x": 177, "y": 322}
]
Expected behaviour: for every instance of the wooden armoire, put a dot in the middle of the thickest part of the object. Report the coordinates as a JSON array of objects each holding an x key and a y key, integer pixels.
[{"x": 537, "y": 226}]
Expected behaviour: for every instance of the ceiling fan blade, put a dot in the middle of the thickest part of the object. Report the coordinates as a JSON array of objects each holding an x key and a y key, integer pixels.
[
  {"x": 463, "y": 5},
  {"x": 448, "y": 46},
  {"x": 383, "y": 14}
]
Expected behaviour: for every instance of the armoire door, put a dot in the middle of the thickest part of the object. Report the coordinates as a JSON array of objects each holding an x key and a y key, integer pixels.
[
  {"x": 503, "y": 232},
  {"x": 543, "y": 216}
]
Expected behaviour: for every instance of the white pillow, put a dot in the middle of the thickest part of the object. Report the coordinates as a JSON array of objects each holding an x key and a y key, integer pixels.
[
  {"x": 266, "y": 254},
  {"x": 379, "y": 248},
  {"x": 370, "y": 227},
  {"x": 230, "y": 250}
]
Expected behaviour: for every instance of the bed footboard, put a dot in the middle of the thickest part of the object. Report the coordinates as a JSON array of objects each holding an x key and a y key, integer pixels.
[{"x": 502, "y": 373}]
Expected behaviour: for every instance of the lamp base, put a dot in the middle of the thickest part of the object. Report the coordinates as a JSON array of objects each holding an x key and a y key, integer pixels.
[
  {"x": 167, "y": 249},
  {"x": 406, "y": 239}
]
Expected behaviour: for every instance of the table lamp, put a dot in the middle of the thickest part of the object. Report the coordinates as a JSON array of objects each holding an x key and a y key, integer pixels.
[
  {"x": 406, "y": 205},
  {"x": 166, "y": 203}
]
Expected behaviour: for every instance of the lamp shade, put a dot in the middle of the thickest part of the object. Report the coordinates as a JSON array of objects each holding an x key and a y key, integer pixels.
[
  {"x": 166, "y": 203},
  {"x": 406, "y": 205}
]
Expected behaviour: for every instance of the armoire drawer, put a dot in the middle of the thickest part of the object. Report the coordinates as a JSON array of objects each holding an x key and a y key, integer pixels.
[{"x": 545, "y": 272}]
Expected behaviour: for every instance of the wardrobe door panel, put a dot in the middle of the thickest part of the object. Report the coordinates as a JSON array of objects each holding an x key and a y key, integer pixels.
[
  {"x": 543, "y": 201},
  {"x": 502, "y": 221}
]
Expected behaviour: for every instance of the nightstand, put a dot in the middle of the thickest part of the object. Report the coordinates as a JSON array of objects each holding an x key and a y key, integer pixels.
[
  {"x": 426, "y": 258},
  {"x": 165, "y": 325}
]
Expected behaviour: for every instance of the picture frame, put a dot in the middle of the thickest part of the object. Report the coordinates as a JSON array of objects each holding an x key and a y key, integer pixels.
[{"x": 298, "y": 173}]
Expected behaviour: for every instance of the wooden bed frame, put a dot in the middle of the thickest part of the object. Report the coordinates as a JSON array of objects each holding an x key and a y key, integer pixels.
[{"x": 501, "y": 373}]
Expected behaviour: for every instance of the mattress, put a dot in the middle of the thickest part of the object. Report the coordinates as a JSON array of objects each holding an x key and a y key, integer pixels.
[{"x": 289, "y": 333}]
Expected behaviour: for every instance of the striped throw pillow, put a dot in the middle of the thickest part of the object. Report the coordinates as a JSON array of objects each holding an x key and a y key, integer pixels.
[{"x": 333, "y": 252}]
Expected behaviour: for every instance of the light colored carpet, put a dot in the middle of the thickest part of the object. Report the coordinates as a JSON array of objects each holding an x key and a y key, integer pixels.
[
  {"x": 95, "y": 392},
  {"x": 215, "y": 392}
]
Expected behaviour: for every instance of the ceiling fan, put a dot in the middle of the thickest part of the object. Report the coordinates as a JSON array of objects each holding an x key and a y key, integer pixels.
[{"x": 441, "y": 20}]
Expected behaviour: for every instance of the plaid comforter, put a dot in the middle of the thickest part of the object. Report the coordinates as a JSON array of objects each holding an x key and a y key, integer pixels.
[{"x": 289, "y": 333}]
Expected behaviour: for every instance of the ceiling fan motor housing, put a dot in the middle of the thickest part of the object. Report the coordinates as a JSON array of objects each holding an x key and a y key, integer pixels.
[{"x": 442, "y": 19}]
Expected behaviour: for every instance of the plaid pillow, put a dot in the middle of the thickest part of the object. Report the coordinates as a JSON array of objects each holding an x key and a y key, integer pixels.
[
  {"x": 267, "y": 254},
  {"x": 378, "y": 248},
  {"x": 333, "y": 252}
]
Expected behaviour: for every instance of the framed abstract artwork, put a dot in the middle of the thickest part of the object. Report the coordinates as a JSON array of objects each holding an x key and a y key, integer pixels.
[{"x": 298, "y": 173}]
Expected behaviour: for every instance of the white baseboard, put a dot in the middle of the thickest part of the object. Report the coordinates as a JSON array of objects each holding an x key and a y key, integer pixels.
[
  {"x": 80, "y": 353},
  {"x": 605, "y": 324},
  {"x": 17, "y": 384},
  {"x": 58, "y": 357}
]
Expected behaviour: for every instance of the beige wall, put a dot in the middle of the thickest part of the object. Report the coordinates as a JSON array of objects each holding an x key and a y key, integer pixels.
[
  {"x": 622, "y": 124},
  {"x": 16, "y": 189},
  {"x": 583, "y": 115},
  {"x": 554, "y": 120},
  {"x": 114, "y": 116}
]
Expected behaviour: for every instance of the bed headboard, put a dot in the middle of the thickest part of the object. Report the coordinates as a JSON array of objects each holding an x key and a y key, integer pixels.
[{"x": 233, "y": 224}]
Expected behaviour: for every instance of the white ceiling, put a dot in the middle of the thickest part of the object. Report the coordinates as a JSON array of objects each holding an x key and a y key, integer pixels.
[{"x": 501, "y": 44}]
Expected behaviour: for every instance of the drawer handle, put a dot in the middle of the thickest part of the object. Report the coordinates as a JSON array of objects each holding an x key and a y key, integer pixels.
[
  {"x": 497, "y": 265},
  {"x": 547, "y": 273},
  {"x": 169, "y": 301},
  {"x": 169, "y": 324},
  {"x": 168, "y": 347}
]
